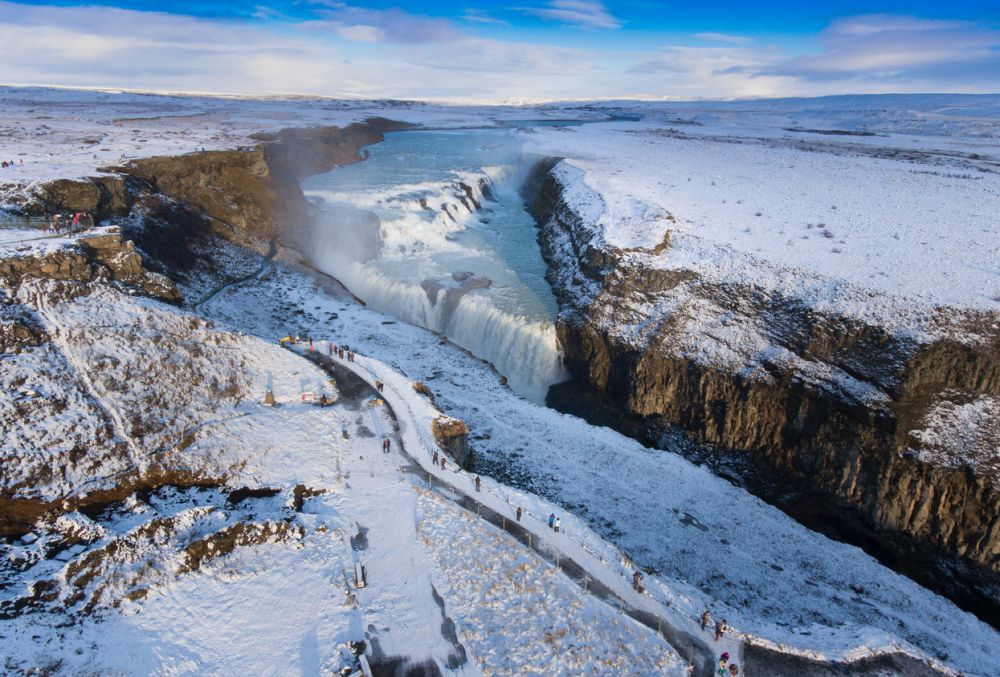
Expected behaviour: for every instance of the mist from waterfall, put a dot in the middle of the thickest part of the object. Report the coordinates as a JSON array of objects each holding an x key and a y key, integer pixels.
[{"x": 432, "y": 229}]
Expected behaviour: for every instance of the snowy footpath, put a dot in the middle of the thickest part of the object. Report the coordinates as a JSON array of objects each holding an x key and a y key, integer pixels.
[{"x": 597, "y": 567}]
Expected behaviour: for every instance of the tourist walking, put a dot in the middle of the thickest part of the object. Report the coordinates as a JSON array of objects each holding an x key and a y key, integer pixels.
[
  {"x": 552, "y": 520},
  {"x": 478, "y": 482},
  {"x": 706, "y": 618},
  {"x": 557, "y": 524},
  {"x": 723, "y": 670},
  {"x": 434, "y": 458},
  {"x": 519, "y": 513},
  {"x": 718, "y": 630}
]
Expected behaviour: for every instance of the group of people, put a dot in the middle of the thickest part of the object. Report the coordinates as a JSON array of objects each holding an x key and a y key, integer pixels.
[
  {"x": 720, "y": 626},
  {"x": 638, "y": 583},
  {"x": 335, "y": 350},
  {"x": 727, "y": 669},
  {"x": 439, "y": 459},
  {"x": 68, "y": 222},
  {"x": 555, "y": 523},
  {"x": 386, "y": 445},
  {"x": 9, "y": 163}
]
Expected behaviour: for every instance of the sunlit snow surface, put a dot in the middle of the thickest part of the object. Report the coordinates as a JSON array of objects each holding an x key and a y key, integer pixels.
[
  {"x": 447, "y": 205},
  {"x": 711, "y": 543}
]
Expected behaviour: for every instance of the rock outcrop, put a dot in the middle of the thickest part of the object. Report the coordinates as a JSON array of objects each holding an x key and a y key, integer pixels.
[
  {"x": 95, "y": 195},
  {"x": 248, "y": 194},
  {"x": 819, "y": 405},
  {"x": 102, "y": 255},
  {"x": 452, "y": 435}
]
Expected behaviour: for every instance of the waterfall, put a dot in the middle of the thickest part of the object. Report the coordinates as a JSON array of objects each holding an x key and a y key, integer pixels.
[{"x": 411, "y": 250}]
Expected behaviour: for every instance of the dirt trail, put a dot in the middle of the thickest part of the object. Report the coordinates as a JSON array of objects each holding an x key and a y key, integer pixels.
[{"x": 265, "y": 263}]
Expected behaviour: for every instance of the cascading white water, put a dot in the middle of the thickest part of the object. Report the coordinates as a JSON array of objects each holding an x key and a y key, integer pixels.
[{"x": 431, "y": 229}]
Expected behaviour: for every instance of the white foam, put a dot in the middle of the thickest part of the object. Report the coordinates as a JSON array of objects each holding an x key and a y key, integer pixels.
[{"x": 418, "y": 221}]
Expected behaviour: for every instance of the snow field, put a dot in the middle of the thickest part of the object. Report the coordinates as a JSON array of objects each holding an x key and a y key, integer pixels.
[
  {"x": 506, "y": 600},
  {"x": 901, "y": 227},
  {"x": 709, "y": 541},
  {"x": 70, "y": 134},
  {"x": 711, "y": 544},
  {"x": 188, "y": 584}
]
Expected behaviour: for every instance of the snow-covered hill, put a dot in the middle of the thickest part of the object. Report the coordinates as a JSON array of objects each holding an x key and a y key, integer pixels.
[{"x": 178, "y": 525}]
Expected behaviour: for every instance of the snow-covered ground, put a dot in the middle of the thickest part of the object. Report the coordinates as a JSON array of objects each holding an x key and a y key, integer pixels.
[
  {"x": 752, "y": 187},
  {"x": 53, "y": 134},
  {"x": 711, "y": 544},
  {"x": 859, "y": 227},
  {"x": 910, "y": 229},
  {"x": 208, "y": 581}
]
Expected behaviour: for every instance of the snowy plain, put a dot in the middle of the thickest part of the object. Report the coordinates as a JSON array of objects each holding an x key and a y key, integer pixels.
[
  {"x": 707, "y": 543},
  {"x": 710, "y": 544},
  {"x": 803, "y": 216},
  {"x": 205, "y": 580}
]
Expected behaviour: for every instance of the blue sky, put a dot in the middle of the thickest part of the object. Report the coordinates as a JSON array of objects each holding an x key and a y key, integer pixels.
[{"x": 521, "y": 50}]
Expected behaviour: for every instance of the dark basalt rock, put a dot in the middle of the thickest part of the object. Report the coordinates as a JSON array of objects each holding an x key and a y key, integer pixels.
[{"x": 804, "y": 419}]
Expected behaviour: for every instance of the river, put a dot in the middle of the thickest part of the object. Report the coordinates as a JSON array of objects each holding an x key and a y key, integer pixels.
[{"x": 432, "y": 229}]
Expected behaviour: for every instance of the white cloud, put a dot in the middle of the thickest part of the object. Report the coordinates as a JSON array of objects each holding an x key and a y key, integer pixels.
[
  {"x": 724, "y": 37},
  {"x": 358, "y": 32},
  {"x": 583, "y": 13},
  {"x": 390, "y": 25},
  {"x": 482, "y": 17},
  {"x": 900, "y": 48},
  {"x": 354, "y": 52},
  {"x": 711, "y": 71}
]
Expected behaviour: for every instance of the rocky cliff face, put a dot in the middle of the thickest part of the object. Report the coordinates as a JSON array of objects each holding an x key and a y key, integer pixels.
[
  {"x": 247, "y": 194},
  {"x": 104, "y": 255},
  {"x": 453, "y": 437},
  {"x": 831, "y": 404}
]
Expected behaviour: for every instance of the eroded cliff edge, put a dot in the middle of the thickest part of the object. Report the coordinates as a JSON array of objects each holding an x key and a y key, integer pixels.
[
  {"x": 56, "y": 424},
  {"x": 886, "y": 437},
  {"x": 248, "y": 194}
]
